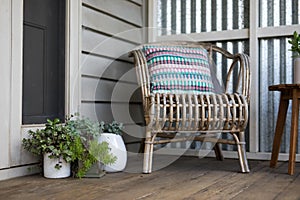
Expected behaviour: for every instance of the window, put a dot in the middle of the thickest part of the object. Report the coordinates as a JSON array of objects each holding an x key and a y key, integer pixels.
[{"x": 260, "y": 28}]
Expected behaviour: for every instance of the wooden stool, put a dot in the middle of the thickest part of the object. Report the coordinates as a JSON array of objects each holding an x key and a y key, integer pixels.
[{"x": 288, "y": 92}]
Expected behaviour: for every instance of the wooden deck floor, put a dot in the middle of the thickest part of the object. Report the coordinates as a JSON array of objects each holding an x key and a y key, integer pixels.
[{"x": 187, "y": 178}]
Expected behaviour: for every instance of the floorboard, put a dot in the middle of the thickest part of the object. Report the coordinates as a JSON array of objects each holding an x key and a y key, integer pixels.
[{"x": 186, "y": 178}]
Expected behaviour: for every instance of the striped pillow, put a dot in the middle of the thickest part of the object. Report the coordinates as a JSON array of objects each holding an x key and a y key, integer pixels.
[{"x": 177, "y": 69}]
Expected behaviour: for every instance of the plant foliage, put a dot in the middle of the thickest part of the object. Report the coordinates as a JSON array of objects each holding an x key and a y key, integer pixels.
[
  {"x": 55, "y": 138},
  {"x": 113, "y": 127},
  {"x": 88, "y": 150},
  {"x": 76, "y": 141},
  {"x": 295, "y": 42}
]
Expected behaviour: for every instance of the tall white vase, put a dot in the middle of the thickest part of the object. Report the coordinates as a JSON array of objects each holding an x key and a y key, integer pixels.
[
  {"x": 118, "y": 149},
  {"x": 51, "y": 172},
  {"x": 297, "y": 70}
]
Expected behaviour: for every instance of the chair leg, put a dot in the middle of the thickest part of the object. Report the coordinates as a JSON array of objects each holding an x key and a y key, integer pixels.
[
  {"x": 148, "y": 153},
  {"x": 142, "y": 146},
  {"x": 218, "y": 152},
  {"x": 242, "y": 151}
]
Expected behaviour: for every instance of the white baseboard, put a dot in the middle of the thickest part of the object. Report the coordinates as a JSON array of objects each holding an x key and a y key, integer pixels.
[{"x": 19, "y": 171}]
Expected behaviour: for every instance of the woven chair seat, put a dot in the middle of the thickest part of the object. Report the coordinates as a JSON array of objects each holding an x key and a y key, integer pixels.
[{"x": 198, "y": 112}]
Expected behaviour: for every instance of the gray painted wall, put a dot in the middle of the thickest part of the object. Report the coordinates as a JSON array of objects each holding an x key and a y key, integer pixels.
[{"x": 110, "y": 29}]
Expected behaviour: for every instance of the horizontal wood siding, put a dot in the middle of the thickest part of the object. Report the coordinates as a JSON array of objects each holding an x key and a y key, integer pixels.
[
  {"x": 95, "y": 89},
  {"x": 109, "y": 90},
  {"x": 110, "y": 25},
  {"x": 102, "y": 45},
  {"x": 100, "y": 66},
  {"x": 113, "y": 111},
  {"x": 119, "y": 9}
]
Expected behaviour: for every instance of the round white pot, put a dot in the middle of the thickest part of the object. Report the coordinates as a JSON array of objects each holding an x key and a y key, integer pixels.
[
  {"x": 51, "y": 172},
  {"x": 297, "y": 70},
  {"x": 118, "y": 149}
]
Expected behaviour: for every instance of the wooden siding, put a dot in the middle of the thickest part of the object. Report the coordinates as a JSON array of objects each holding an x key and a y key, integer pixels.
[
  {"x": 124, "y": 10},
  {"x": 110, "y": 29}
]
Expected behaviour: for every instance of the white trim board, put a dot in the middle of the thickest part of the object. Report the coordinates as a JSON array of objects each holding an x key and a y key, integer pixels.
[{"x": 19, "y": 171}]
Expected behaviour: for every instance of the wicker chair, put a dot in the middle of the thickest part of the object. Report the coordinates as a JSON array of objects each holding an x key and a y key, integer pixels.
[{"x": 201, "y": 116}]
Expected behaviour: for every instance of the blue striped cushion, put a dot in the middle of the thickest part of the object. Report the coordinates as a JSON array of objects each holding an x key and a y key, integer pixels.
[{"x": 177, "y": 69}]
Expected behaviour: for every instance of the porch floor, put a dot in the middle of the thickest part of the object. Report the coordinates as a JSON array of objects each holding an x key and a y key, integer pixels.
[{"x": 186, "y": 178}]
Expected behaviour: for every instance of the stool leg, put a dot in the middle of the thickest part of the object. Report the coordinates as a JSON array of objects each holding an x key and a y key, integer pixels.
[
  {"x": 283, "y": 106},
  {"x": 294, "y": 132}
]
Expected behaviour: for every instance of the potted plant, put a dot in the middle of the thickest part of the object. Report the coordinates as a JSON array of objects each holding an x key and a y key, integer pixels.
[
  {"x": 111, "y": 133},
  {"x": 295, "y": 48},
  {"x": 75, "y": 141},
  {"x": 90, "y": 154},
  {"x": 54, "y": 144}
]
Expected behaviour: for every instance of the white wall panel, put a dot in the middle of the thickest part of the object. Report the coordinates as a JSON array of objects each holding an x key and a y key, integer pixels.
[{"x": 5, "y": 75}]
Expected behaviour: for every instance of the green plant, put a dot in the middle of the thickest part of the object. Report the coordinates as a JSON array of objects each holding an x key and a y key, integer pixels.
[
  {"x": 114, "y": 127},
  {"x": 295, "y": 42},
  {"x": 86, "y": 148},
  {"x": 55, "y": 138},
  {"x": 83, "y": 126},
  {"x": 75, "y": 141}
]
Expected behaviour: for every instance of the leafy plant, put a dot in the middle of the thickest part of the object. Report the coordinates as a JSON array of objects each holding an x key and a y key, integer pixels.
[
  {"x": 87, "y": 156},
  {"x": 87, "y": 149},
  {"x": 295, "y": 42},
  {"x": 55, "y": 138},
  {"x": 83, "y": 126},
  {"x": 75, "y": 141},
  {"x": 114, "y": 127}
]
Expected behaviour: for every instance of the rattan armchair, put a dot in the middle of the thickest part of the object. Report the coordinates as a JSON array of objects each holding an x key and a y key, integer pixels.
[{"x": 201, "y": 115}]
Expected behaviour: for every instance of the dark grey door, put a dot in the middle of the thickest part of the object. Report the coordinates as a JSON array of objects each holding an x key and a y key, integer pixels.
[{"x": 43, "y": 60}]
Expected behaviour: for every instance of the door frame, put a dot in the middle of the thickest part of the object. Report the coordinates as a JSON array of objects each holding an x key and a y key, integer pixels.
[{"x": 13, "y": 154}]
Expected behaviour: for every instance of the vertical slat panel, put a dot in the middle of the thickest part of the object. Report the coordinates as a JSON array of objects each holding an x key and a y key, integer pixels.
[
  {"x": 164, "y": 16},
  {"x": 235, "y": 49},
  {"x": 173, "y": 16},
  {"x": 183, "y": 16},
  {"x": 193, "y": 16},
  {"x": 178, "y": 16},
  {"x": 235, "y": 14},
  {"x": 282, "y": 12},
  {"x": 203, "y": 16},
  {"x": 275, "y": 64},
  {"x": 224, "y": 13},
  {"x": 214, "y": 15},
  {"x": 270, "y": 13},
  {"x": 275, "y": 68},
  {"x": 246, "y": 13},
  {"x": 295, "y": 9}
]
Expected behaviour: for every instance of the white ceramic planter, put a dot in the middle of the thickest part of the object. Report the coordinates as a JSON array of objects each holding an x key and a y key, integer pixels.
[
  {"x": 51, "y": 172},
  {"x": 118, "y": 149},
  {"x": 297, "y": 70}
]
